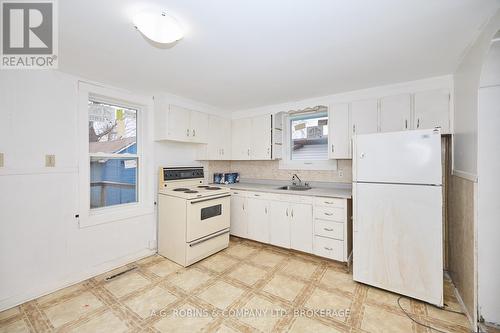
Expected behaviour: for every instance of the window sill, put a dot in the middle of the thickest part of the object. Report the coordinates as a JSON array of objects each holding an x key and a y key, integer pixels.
[
  {"x": 114, "y": 214},
  {"x": 308, "y": 165}
]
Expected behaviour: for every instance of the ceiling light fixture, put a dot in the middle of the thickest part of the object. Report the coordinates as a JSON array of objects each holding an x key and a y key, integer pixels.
[{"x": 158, "y": 27}]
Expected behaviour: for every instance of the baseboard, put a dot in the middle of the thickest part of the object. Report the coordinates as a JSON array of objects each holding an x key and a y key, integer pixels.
[{"x": 74, "y": 279}]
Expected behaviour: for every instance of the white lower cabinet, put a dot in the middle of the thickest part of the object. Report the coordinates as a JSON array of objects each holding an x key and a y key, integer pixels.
[
  {"x": 258, "y": 219},
  {"x": 301, "y": 227},
  {"x": 312, "y": 225},
  {"x": 239, "y": 220},
  {"x": 332, "y": 228},
  {"x": 280, "y": 223}
]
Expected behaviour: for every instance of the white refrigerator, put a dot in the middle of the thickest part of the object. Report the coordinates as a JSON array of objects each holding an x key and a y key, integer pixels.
[{"x": 397, "y": 213}]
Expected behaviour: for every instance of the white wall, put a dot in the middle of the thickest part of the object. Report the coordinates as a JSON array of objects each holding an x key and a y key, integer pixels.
[
  {"x": 466, "y": 79},
  {"x": 488, "y": 229},
  {"x": 42, "y": 247}
]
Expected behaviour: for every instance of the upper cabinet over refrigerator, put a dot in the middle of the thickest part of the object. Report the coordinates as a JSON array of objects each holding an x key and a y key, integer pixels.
[{"x": 408, "y": 157}]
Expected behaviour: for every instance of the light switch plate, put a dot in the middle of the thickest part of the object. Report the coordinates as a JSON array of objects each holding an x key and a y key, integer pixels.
[
  {"x": 50, "y": 161},
  {"x": 1, "y": 160},
  {"x": 341, "y": 173}
]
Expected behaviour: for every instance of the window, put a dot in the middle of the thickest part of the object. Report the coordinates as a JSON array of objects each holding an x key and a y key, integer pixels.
[
  {"x": 309, "y": 137},
  {"x": 113, "y": 154},
  {"x": 305, "y": 144}
]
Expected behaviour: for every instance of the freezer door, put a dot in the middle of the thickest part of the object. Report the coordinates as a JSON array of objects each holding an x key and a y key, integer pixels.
[
  {"x": 412, "y": 157},
  {"x": 397, "y": 239}
]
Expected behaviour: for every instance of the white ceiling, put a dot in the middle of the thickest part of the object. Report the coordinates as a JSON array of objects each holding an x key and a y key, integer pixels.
[{"x": 243, "y": 54}]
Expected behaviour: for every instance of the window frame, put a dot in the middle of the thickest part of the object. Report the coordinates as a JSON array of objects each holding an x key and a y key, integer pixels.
[
  {"x": 144, "y": 204},
  {"x": 287, "y": 163}
]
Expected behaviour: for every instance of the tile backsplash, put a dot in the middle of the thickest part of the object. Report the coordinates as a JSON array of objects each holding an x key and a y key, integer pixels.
[{"x": 271, "y": 170}]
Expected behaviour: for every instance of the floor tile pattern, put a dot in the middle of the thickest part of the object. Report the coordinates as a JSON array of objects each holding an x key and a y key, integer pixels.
[{"x": 249, "y": 287}]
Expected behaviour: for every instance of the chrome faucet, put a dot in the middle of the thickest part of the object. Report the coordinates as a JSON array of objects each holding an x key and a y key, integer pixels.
[{"x": 296, "y": 177}]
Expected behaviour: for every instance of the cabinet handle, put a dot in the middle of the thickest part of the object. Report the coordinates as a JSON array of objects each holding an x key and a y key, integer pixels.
[
  {"x": 222, "y": 151},
  {"x": 265, "y": 210},
  {"x": 257, "y": 195},
  {"x": 187, "y": 132},
  {"x": 243, "y": 206},
  {"x": 194, "y": 132},
  {"x": 327, "y": 229},
  {"x": 333, "y": 149},
  {"x": 354, "y": 128},
  {"x": 287, "y": 212},
  {"x": 328, "y": 214},
  {"x": 406, "y": 123},
  {"x": 328, "y": 248},
  {"x": 248, "y": 151},
  {"x": 292, "y": 213},
  {"x": 328, "y": 202},
  {"x": 418, "y": 122}
]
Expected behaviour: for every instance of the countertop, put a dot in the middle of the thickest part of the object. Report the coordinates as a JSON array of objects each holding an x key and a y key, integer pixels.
[{"x": 331, "y": 190}]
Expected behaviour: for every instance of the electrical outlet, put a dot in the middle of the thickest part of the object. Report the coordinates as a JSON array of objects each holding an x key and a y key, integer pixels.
[
  {"x": 50, "y": 161},
  {"x": 341, "y": 173},
  {"x": 1, "y": 160}
]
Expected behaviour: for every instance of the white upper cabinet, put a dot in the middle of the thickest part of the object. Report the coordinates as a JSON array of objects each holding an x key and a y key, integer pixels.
[
  {"x": 260, "y": 148},
  {"x": 219, "y": 140},
  {"x": 241, "y": 141},
  {"x": 176, "y": 123},
  {"x": 339, "y": 135},
  {"x": 251, "y": 138},
  {"x": 364, "y": 116},
  {"x": 432, "y": 109},
  {"x": 199, "y": 127},
  {"x": 395, "y": 113}
]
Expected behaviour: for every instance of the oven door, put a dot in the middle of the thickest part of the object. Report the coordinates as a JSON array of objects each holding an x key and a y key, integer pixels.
[{"x": 206, "y": 216}]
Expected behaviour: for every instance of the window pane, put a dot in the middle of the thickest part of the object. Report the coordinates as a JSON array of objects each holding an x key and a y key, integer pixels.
[
  {"x": 113, "y": 181},
  {"x": 112, "y": 129},
  {"x": 309, "y": 139}
]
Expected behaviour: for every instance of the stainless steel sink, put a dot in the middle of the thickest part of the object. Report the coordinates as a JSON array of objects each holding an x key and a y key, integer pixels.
[{"x": 294, "y": 188}]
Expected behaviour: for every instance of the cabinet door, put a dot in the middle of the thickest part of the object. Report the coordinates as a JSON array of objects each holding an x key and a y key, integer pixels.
[
  {"x": 213, "y": 146},
  {"x": 280, "y": 223},
  {"x": 364, "y": 115},
  {"x": 258, "y": 220},
  {"x": 432, "y": 109},
  {"x": 240, "y": 143},
  {"x": 395, "y": 113},
  {"x": 239, "y": 221},
  {"x": 339, "y": 134},
  {"x": 199, "y": 127},
  {"x": 178, "y": 123},
  {"x": 301, "y": 227},
  {"x": 260, "y": 148},
  {"x": 224, "y": 130}
]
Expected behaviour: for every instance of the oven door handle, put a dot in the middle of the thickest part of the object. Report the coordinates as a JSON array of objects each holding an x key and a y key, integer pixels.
[
  {"x": 208, "y": 238},
  {"x": 210, "y": 198}
]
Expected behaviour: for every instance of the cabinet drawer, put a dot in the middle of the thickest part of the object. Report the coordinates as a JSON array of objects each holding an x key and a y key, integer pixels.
[
  {"x": 329, "y": 213},
  {"x": 329, "y": 229},
  {"x": 329, "y": 248},
  {"x": 330, "y": 202}
]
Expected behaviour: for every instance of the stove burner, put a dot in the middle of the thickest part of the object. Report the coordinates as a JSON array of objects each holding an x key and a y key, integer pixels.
[
  {"x": 190, "y": 191},
  {"x": 203, "y": 186},
  {"x": 180, "y": 189},
  {"x": 213, "y": 188}
]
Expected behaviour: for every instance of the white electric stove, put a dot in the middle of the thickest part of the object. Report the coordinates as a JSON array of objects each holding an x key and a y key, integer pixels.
[{"x": 193, "y": 218}]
